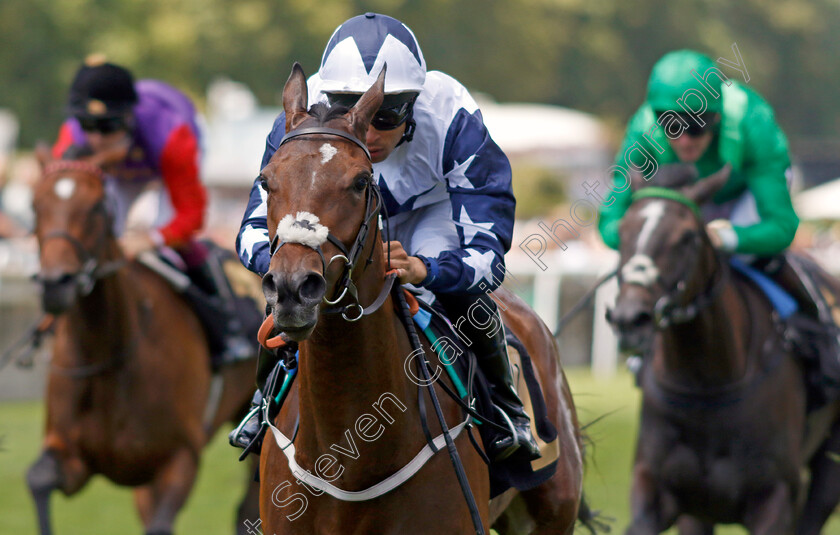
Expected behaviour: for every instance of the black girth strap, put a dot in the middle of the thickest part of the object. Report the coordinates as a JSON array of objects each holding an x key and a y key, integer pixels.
[{"x": 324, "y": 130}]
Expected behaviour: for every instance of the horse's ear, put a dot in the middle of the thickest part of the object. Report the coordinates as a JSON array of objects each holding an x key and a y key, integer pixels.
[
  {"x": 702, "y": 190},
  {"x": 361, "y": 114},
  {"x": 43, "y": 154},
  {"x": 295, "y": 98}
]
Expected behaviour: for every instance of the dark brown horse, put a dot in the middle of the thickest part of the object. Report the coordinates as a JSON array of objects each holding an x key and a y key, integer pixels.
[
  {"x": 724, "y": 435},
  {"x": 129, "y": 382},
  {"x": 357, "y": 409}
]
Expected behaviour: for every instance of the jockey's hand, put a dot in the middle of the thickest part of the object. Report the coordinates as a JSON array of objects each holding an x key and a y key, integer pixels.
[
  {"x": 410, "y": 269},
  {"x": 134, "y": 243},
  {"x": 114, "y": 154},
  {"x": 722, "y": 235}
]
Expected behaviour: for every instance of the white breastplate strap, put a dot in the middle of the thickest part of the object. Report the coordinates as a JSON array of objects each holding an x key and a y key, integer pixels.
[{"x": 393, "y": 481}]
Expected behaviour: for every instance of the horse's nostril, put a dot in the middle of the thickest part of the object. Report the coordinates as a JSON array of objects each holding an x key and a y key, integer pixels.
[
  {"x": 642, "y": 319},
  {"x": 312, "y": 287},
  {"x": 269, "y": 287}
]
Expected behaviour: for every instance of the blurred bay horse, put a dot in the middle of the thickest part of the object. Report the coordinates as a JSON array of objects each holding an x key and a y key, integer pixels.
[
  {"x": 130, "y": 380},
  {"x": 724, "y": 435},
  {"x": 354, "y": 412}
]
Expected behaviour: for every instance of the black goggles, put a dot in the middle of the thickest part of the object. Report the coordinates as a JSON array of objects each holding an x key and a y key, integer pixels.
[
  {"x": 395, "y": 109},
  {"x": 694, "y": 128},
  {"x": 103, "y": 125}
]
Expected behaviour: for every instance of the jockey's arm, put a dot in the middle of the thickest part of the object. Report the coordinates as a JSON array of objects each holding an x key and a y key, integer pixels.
[
  {"x": 179, "y": 167},
  {"x": 766, "y": 163},
  {"x": 619, "y": 196},
  {"x": 64, "y": 141},
  {"x": 252, "y": 240},
  {"x": 478, "y": 178}
]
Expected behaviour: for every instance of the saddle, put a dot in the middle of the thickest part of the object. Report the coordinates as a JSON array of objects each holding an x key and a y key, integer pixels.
[{"x": 473, "y": 391}]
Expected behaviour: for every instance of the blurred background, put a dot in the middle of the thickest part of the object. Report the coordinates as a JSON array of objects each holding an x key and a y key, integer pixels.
[{"x": 556, "y": 81}]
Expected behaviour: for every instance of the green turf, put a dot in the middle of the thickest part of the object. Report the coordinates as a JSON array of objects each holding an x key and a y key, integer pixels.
[{"x": 103, "y": 508}]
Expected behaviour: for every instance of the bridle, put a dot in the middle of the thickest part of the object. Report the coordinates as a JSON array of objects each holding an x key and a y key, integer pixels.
[
  {"x": 667, "y": 311},
  {"x": 350, "y": 257},
  {"x": 91, "y": 270}
]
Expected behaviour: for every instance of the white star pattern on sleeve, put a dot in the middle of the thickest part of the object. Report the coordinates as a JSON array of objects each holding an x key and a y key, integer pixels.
[
  {"x": 458, "y": 176},
  {"x": 481, "y": 264},
  {"x": 471, "y": 228},
  {"x": 250, "y": 238}
]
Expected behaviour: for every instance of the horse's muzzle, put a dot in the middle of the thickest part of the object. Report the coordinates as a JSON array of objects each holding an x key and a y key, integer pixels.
[
  {"x": 58, "y": 293},
  {"x": 632, "y": 322},
  {"x": 294, "y": 300}
]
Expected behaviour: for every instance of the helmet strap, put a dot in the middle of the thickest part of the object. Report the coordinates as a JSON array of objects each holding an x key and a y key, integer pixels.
[{"x": 408, "y": 135}]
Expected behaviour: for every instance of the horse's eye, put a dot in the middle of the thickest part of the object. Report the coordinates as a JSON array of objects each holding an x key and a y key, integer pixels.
[
  {"x": 264, "y": 183},
  {"x": 361, "y": 183}
]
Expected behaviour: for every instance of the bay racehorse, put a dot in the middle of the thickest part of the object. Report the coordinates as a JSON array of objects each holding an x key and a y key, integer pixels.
[
  {"x": 129, "y": 381},
  {"x": 354, "y": 412},
  {"x": 724, "y": 435}
]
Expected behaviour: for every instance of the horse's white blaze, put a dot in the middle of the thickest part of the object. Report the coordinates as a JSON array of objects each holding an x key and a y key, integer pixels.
[
  {"x": 327, "y": 152},
  {"x": 640, "y": 270},
  {"x": 653, "y": 212},
  {"x": 65, "y": 187}
]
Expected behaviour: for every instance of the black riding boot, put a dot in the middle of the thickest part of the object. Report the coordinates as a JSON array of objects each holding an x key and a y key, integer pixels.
[
  {"x": 250, "y": 431},
  {"x": 225, "y": 329},
  {"x": 250, "y": 426},
  {"x": 477, "y": 319}
]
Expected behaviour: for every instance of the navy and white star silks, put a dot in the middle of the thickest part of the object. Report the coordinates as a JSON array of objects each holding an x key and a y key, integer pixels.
[{"x": 453, "y": 161}]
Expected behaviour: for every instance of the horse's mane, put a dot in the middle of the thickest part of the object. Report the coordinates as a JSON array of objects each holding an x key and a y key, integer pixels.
[
  {"x": 674, "y": 176},
  {"x": 324, "y": 113}
]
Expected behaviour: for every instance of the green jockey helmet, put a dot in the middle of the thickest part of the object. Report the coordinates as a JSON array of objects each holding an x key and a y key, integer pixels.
[{"x": 672, "y": 76}]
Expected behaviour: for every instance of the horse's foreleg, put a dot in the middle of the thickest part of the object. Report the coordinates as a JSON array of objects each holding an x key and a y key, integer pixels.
[
  {"x": 249, "y": 507},
  {"x": 772, "y": 515},
  {"x": 653, "y": 511},
  {"x": 43, "y": 477},
  {"x": 54, "y": 470},
  {"x": 170, "y": 488},
  {"x": 144, "y": 501}
]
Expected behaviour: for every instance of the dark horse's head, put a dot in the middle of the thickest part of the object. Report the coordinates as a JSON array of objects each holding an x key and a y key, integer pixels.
[
  {"x": 322, "y": 200},
  {"x": 73, "y": 228},
  {"x": 665, "y": 254}
]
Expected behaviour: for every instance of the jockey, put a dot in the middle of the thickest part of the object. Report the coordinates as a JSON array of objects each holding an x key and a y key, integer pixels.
[
  {"x": 148, "y": 132},
  {"x": 752, "y": 215},
  {"x": 446, "y": 187}
]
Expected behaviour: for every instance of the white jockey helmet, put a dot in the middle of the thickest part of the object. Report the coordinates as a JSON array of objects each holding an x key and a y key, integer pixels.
[{"x": 359, "y": 48}]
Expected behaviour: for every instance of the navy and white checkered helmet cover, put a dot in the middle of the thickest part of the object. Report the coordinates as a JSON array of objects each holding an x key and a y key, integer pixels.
[{"x": 360, "y": 47}]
